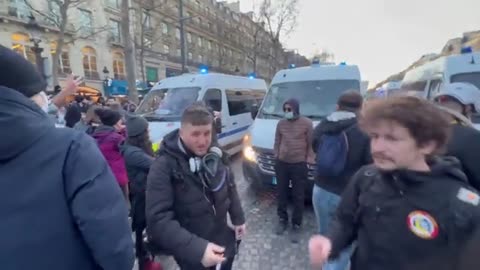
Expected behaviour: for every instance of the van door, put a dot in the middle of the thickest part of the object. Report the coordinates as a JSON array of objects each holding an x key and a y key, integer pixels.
[
  {"x": 240, "y": 103},
  {"x": 214, "y": 99}
]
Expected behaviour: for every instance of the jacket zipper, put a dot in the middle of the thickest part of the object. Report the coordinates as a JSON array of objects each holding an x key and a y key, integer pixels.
[{"x": 206, "y": 198}]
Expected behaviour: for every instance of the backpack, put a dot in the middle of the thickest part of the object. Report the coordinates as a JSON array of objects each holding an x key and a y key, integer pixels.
[{"x": 332, "y": 154}]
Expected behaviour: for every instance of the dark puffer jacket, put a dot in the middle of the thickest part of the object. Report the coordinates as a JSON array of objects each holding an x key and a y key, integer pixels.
[
  {"x": 181, "y": 219},
  {"x": 408, "y": 220},
  {"x": 60, "y": 205}
]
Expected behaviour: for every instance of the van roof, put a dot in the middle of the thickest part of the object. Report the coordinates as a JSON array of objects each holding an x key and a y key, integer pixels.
[
  {"x": 318, "y": 72},
  {"x": 448, "y": 65},
  {"x": 211, "y": 80}
]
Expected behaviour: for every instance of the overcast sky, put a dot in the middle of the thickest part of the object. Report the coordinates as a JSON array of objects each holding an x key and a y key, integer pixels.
[{"x": 381, "y": 36}]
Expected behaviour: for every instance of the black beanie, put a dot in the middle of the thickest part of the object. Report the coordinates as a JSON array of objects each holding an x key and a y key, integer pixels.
[
  {"x": 19, "y": 74},
  {"x": 108, "y": 117},
  {"x": 136, "y": 125}
]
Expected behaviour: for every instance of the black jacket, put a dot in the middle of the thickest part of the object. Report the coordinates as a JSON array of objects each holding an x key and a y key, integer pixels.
[
  {"x": 465, "y": 146},
  {"x": 180, "y": 218},
  {"x": 137, "y": 163},
  {"x": 60, "y": 205},
  {"x": 406, "y": 220},
  {"x": 358, "y": 148}
]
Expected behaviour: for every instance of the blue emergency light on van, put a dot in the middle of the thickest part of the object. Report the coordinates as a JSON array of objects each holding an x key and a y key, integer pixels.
[
  {"x": 252, "y": 75},
  {"x": 466, "y": 50},
  {"x": 203, "y": 69},
  {"x": 291, "y": 66}
]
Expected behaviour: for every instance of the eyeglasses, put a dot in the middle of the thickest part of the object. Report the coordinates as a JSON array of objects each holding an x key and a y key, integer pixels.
[{"x": 287, "y": 109}]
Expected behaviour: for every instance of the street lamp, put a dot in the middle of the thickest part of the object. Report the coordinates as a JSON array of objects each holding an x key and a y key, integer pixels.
[{"x": 34, "y": 30}]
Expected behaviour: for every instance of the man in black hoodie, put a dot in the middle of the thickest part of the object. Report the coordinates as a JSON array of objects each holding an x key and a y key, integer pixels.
[
  {"x": 463, "y": 99},
  {"x": 411, "y": 209},
  {"x": 60, "y": 205},
  {"x": 189, "y": 193},
  {"x": 328, "y": 188}
]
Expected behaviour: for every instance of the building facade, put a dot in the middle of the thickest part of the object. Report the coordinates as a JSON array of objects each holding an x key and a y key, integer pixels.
[{"x": 217, "y": 34}]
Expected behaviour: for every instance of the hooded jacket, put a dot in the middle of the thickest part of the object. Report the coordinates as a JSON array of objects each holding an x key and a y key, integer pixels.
[
  {"x": 182, "y": 215},
  {"x": 464, "y": 144},
  {"x": 407, "y": 220},
  {"x": 293, "y": 137},
  {"x": 60, "y": 205},
  {"x": 109, "y": 140},
  {"x": 358, "y": 148}
]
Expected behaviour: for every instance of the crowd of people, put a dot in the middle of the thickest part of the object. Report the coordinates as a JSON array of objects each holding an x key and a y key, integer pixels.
[{"x": 396, "y": 182}]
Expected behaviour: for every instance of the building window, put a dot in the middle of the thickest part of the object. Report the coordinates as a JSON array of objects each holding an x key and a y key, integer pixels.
[
  {"x": 164, "y": 28},
  {"x": 166, "y": 49},
  {"x": 210, "y": 26},
  {"x": 189, "y": 37},
  {"x": 90, "y": 63},
  {"x": 63, "y": 60},
  {"x": 179, "y": 53},
  {"x": 115, "y": 34},
  {"x": 200, "y": 42},
  {"x": 20, "y": 44},
  {"x": 200, "y": 58},
  {"x": 113, "y": 3},
  {"x": 118, "y": 66},
  {"x": 177, "y": 33},
  {"x": 86, "y": 21},
  {"x": 209, "y": 45},
  {"x": 146, "y": 20},
  {"x": 190, "y": 56},
  {"x": 152, "y": 74},
  {"x": 18, "y": 8}
]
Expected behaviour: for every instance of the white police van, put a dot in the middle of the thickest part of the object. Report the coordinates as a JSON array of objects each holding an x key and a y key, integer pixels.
[
  {"x": 317, "y": 88},
  {"x": 426, "y": 80},
  {"x": 232, "y": 96}
]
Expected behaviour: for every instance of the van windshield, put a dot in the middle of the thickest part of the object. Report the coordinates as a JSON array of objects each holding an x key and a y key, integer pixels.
[
  {"x": 168, "y": 104},
  {"x": 473, "y": 78},
  {"x": 317, "y": 98}
]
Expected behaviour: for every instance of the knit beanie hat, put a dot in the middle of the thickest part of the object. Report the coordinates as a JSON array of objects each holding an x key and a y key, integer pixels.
[
  {"x": 136, "y": 125},
  {"x": 19, "y": 74},
  {"x": 108, "y": 117}
]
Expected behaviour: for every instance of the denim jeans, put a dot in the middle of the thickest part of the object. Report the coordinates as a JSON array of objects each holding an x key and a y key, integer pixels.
[{"x": 325, "y": 204}]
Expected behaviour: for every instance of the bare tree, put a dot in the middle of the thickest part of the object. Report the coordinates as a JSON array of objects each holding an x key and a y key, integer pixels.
[
  {"x": 148, "y": 33},
  {"x": 280, "y": 17},
  {"x": 222, "y": 32},
  {"x": 58, "y": 16},
  {"x": 129, "y": 51}
]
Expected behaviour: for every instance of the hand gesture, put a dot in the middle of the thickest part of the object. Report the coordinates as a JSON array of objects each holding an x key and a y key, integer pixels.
[
  {"x": 240, "y": 231},
  {"x": 213, "y": 255},
  {"x": 72, "y": 84},
  {"x": 319, "y": 248}
]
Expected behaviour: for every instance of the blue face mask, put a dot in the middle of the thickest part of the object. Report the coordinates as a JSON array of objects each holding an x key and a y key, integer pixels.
[{"x": 289, "y": 115}]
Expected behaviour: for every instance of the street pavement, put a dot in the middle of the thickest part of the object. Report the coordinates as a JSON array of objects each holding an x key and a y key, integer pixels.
[{"x": 262, "y": 249}]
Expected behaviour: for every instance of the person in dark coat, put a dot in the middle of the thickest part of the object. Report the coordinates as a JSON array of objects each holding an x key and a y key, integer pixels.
[
  {"x": 328, "y": 189},
  {"x": 412, "y": 208},
  {"x": 189, "y": 193},
  {"x": 60, "y": 205},
  {"x": 462, "y": 100},
  {"x": 138, "y": 154},
  {"x": 74, "y": 112}
]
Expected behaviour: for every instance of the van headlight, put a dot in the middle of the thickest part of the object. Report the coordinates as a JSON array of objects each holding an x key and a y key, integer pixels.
[{"x": 249, "y": 154}]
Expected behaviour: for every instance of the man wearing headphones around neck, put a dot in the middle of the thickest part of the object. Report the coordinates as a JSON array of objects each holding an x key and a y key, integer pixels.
[{"x": 189, "y": 193}]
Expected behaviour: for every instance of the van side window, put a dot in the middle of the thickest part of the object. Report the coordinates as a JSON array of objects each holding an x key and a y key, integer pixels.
[
  {"x": 242, "y": 101},
  {"x": 415, "y": 86},
  {"x": 213, "y": 99},
  {"x": 434, "y": 88}
]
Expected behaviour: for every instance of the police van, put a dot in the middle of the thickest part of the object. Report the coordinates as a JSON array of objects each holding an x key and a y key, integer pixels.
[
  {"x": 426, "y": 80},
  {"x": 317, "y": 88},
  {"x": 232, "y": 96}
]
